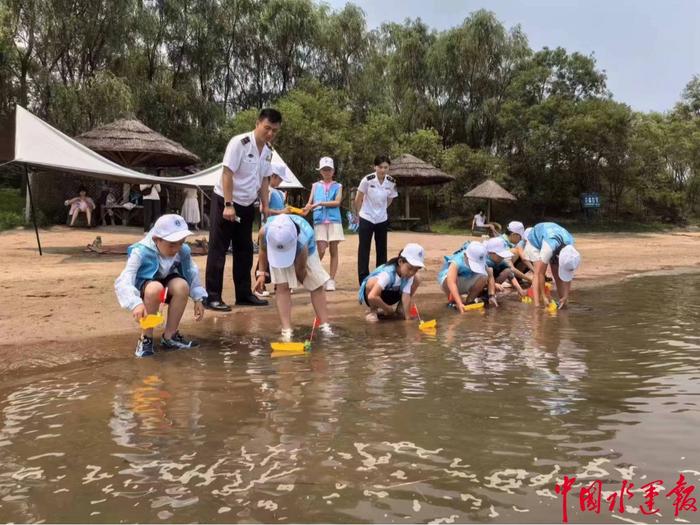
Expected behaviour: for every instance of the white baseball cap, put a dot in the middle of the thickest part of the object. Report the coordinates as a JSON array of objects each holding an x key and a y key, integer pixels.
[
  {"x": 498, "y": 246},
  {"x": 170, "y": 228},
  {"x": 517, "y": 227},
  {"x": 281, "y": 236},
  {"x": 569, "y": 261},
  {"x": 325, "y": 162},
  {"x": 281, "y": 171},
  {"x": 476, "y": 256},
  {"x": 414, "y": 254}
]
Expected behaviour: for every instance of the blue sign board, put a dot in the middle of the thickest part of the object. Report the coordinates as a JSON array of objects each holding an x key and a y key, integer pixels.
[{"x": 590, "y": 200}]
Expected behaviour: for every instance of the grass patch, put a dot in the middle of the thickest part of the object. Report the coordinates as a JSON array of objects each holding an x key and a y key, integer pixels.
[{"x": 11, "y": 208}]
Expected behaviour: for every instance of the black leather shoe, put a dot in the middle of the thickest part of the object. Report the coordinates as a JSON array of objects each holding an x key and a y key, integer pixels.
[
  {"x": 217, "y": 306},
  {"x": 251, "y": 300}
]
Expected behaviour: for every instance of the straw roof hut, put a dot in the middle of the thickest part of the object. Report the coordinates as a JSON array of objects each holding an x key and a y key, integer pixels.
[
  {"x": 411, "y": 171},
  {"x": 490, "y": 190},
  {"x": 131, "y": 143}
]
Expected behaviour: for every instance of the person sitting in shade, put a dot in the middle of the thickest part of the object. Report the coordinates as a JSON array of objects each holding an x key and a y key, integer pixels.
[
  {"x": 81, "y": 204},
  {"x": 549, "y": 244},
  {"x": 289, "y": 257},
  {"x": 479, "y": 221},
  {"x": 464, "y": 273},
  {"x": 390, "y": 288}
]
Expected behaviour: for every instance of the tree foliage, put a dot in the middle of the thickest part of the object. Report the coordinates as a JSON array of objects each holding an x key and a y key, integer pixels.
[{"x": 475, "y": 99}]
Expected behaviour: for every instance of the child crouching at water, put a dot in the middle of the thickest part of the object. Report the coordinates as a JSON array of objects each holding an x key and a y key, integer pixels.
[
  {"x": 464, "y": 273},
  {"x": 161, "y": 261},
  {"x": 393, "y": 283},
  {"x": 288, "y": 250}
]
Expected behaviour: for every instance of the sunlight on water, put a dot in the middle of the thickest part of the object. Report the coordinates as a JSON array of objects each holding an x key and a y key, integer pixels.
[{"x": 479, "y": 422}]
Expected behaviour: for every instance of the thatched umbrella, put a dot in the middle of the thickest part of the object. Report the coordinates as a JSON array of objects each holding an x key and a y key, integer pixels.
[
  {"x": 412, "y": 171},
  {"x": 131, "y": 143},
  {"x": 490, "y": 190}
]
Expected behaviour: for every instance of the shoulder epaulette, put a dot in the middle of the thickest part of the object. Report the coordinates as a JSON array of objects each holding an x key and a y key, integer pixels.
[
  {"x": 370, "y": 177},
  {"x": 245, "y": 140},
  {"x": 390, "y": 179}
]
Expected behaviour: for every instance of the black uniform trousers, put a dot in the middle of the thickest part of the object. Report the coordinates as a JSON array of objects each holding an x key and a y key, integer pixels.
[
  {"x": 151, "y": 212},
  {"x": 366, "y": 230},
  {"x": 222, "y": 234}
]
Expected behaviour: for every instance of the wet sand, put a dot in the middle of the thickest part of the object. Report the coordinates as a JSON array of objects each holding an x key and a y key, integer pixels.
[{"x": 61, "y": 308}]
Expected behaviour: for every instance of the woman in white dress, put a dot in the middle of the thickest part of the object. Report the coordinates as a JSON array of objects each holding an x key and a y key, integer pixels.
[{"x": 190, "y": 208}]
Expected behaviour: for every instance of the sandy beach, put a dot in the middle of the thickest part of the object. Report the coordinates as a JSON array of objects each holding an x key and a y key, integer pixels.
[{"x": 60, "y": 308}]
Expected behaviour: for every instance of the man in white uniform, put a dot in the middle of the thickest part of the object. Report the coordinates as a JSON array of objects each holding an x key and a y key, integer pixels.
[{"x": 244, "y": 178}]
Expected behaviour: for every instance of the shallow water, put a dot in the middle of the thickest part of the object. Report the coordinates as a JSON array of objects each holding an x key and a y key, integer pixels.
[{"x": 380, "y": 424}]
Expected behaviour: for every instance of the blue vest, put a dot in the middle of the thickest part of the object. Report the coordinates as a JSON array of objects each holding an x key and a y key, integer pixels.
[
  {"x": 552, "y": 233},
  {"x": 149, "y": 264},
  {"x": 322, "y": 213},
  {"x": 306, "y": 232},
  {"x": 276, "y": 199},
  {"x": 391, "y": 269},
  {"x": 458, "y": 258}
]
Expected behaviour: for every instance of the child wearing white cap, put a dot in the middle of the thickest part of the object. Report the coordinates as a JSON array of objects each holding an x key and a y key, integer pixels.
[
  {"x": 324, "y": 200},
  {"x": 499, "y": 267},
  {"x": 515, "y": 239},
  {"x": 277, "y": 198},
  {"x": 464, "y": 273},
  {"x": 549, "y": 244},
  {"x": 161, "y": 261},
  {"x": 288, "y": 251},
  {"x": 393, "y": 283}
]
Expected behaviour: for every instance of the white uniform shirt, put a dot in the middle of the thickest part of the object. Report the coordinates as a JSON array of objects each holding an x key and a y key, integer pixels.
[
  {"x": 153, "y": 194},
  {"x": 376, "y": 197},
  {"x": 248, "y": 167},
  {"x": 384, "y": 280}
]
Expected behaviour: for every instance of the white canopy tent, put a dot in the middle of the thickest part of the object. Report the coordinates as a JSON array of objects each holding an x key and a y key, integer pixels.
[{"x": 30, "y": 141}]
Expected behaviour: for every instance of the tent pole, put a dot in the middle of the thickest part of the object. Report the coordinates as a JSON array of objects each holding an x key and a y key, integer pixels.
[
  {"x": 488, "y": 212},
  {"x": 31, "y": 202}
]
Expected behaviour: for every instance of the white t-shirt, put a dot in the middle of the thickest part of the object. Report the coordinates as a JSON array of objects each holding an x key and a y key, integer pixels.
[
  {"x": 151, "y": 195},
  {"x": 479, "y": 219},
  {"x": 248, "y": 167},
  {"x": 384, "y": 280},
  {"x": 376, "y": 197}
]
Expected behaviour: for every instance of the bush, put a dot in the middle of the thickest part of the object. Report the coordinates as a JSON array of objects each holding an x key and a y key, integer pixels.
[{"x": 10, "y": 220}]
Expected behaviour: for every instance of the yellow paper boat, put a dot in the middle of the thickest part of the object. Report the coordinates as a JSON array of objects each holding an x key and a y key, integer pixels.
[
  {"x": 552, "y": 306},
  {"x": 288, "y": 347},
  {"x": 286, "y": 354},
  {"x": 428, "y": 325},
  {"x": 474, "y": 306},
  {"x": 151, "y": 321},
  {"x": 297, "y": 211},
  {"x": 526, "y": 299}
]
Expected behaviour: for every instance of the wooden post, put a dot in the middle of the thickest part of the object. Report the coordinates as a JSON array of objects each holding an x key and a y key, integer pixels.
[{"x": 408, "y": 205}]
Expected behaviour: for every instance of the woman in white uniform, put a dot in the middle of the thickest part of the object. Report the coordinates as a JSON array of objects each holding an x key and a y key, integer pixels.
[{"x": 374, "y": 196}]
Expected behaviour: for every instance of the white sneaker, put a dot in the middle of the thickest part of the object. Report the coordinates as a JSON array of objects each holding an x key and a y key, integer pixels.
[
  {"x": 326, "y": 329},
  {"x": 264, "y": 293},
  {"x": 287, "y": 335},
  {"x": 330, "y": 285}
]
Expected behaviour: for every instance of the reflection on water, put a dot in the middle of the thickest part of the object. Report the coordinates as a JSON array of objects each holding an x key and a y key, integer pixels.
[{"x": 383, "y": 423}]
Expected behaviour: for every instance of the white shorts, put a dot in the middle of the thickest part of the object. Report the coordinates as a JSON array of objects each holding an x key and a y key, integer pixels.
[
  {"x": 531, "y": 253},
  {"x": 329, "y": 232},
  {"x": 464, "y": 284},
  {"x": 316, "y": 276}
]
